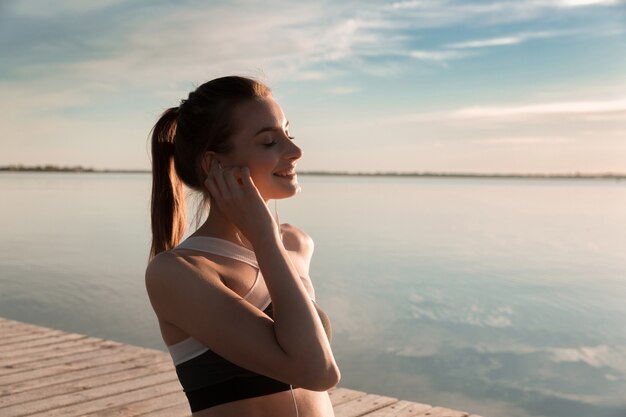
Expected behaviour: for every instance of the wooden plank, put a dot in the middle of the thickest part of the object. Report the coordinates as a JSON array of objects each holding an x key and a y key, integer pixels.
[
  {"x": 181, "y": 410},
  {"x": 83, "y": 353},
  {"x": 109, "y": 401},
  {"x": 59, "y": 342},
  {"x": 401, "y": 409},
  {"x": 18, "y": 330},
  {"x": 112, "y": 390},
  {"x": 5, "y": 322},
  {"x": 81, "y": 384},
  {"x": 33, "y": 379},
  {"x": 37, "y": 358},
  {"x": 23, "y": 348},
  {"x": 443, "y": 412},
  {"x": 22, "y": 337},
  {"x": 170, "y": 402},
  {"x": 12, "y": 324},
  {"x": 339, "y": 395},
  {"x": 363, "y": 405}
]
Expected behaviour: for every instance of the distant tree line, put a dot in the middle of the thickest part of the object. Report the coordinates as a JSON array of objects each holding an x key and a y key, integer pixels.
[
  {"x": 79, "y": 168},
  {"x": 48, "y": 167}
]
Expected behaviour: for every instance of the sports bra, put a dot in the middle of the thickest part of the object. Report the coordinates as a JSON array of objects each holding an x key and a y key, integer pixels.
[{"x": 207, "y": 378}]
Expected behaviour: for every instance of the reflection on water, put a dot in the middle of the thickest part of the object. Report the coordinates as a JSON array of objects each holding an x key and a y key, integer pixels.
[{"x": 502, "y": 297}]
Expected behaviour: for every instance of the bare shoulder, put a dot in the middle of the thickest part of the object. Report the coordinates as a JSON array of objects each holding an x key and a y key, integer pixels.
[
  {"x": 297, "y": 240},
  {"x": 169, "y": 269},
  {"x": 164, "y": 264}
]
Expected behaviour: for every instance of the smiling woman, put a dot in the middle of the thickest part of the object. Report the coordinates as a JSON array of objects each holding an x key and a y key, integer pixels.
[{"x": 234, "y": 301}]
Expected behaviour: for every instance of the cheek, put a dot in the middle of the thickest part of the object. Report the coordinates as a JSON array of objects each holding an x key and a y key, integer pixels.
[
  {"x": 262, "y": 166},
  {"x": 261, "y": 171}
]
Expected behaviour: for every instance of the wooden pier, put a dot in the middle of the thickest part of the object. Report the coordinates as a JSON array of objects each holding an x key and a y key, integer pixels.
[{"x": 46, "y": 372}]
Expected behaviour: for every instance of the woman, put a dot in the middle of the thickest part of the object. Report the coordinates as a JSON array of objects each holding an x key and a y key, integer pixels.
[{"x": 234, "y": 301}]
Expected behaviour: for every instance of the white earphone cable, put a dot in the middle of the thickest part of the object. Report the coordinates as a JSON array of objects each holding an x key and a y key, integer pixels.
[{"x": 294, "y": 400}]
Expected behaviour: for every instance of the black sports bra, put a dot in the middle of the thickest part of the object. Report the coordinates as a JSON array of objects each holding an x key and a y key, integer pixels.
[{"x": 207, "y": 378}]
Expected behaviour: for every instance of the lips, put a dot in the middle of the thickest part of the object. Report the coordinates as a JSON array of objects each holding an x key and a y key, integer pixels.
[{"x": 287, "y": 172}]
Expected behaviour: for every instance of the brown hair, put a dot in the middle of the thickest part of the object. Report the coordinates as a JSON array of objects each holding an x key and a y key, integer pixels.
[{"x": 182, "y": 135}]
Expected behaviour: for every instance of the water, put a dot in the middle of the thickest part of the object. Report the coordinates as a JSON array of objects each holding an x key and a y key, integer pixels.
[{"x": 501, "y": 297}]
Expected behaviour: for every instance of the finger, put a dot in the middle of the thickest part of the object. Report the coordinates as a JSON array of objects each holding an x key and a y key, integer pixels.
[
  {"x": 206, "y": 163},
  {"x": 247, "y": 179},
  {"x": 232, "y": 181},
  {"x": 209, "y": 184},
  {"x": 218, "y": 176}
]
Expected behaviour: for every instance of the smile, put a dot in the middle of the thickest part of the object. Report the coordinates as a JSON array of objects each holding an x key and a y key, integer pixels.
[{"x": 288, "y": 175}]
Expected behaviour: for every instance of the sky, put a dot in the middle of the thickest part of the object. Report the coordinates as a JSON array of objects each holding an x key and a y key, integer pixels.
[{"x": 520, "y": 86}]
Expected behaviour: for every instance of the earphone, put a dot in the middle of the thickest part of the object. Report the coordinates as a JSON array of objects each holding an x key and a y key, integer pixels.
[{"x": 294, "y": 400}]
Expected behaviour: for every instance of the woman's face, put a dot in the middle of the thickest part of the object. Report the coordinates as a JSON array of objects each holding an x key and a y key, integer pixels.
[{"x": 262, "y": 143}]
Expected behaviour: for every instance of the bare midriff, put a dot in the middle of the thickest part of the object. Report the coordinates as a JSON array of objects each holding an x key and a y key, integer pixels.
[{"x": 280, "y": 404}]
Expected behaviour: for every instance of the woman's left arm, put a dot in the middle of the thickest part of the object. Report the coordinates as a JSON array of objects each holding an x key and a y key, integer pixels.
[{"x": 300, "y": 247}]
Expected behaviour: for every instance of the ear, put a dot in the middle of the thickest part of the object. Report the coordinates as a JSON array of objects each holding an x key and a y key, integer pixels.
[{"x": 206, "y": 160}]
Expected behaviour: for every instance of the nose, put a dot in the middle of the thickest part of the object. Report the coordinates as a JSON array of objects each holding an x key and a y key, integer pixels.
[{"x": 293, "y": 152}]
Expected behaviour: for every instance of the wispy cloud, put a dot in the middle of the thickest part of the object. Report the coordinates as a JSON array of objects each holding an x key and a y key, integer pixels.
[
  {"x": 342, "y": 90},
  {"x": 578, "y": 108},
  {"x": 583, "y": 3},
  {"x": 503, "y": 9},
  {"x": 521, "y": 140},
  {"x": 541, "y": 109},
  {"x": 438, "y": 56},
  {"x": 503, "y": 41},
  {"x": 40, "y": 8}
]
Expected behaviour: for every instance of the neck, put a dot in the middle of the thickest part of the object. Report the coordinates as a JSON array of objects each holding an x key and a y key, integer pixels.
[{"x": 217, "y": 225}]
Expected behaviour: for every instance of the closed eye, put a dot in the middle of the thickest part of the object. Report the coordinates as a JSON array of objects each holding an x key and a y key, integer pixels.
[{"x": 274, "y": 142}]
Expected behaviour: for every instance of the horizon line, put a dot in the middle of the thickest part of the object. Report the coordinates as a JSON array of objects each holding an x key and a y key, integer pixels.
[{"x": 576, "y": 174}]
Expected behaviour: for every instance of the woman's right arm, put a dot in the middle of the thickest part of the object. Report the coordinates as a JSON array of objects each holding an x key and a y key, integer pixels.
[{"x": 292, "y": 348}]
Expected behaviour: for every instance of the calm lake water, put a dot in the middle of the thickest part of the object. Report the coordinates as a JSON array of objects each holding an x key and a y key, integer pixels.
[{"x": 506, "y": 298}]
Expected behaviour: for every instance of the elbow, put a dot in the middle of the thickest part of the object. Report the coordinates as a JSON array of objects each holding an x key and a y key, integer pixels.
[
  {"x": 333, "y": 378},
  {"x": 322, "y": 378}
]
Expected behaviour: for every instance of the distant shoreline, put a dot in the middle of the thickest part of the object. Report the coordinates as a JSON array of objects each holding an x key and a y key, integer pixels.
[{"x": 80, "y": 169}]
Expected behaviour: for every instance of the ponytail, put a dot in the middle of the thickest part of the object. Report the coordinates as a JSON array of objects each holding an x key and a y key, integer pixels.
[
  {"x": 168, "y": 210},
  {"x": 203, "y": 122}
]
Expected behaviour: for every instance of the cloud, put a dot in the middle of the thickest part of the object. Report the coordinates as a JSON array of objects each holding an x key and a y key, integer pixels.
[
  {"x": 583, "y": 3},
  {"x": 437, "y": 56},
  {"x": 540, "y": 109},
  {"x": 42, "y": 9},
  {"x": 568, "y": 108},
  {"x": 304, "y": 41},
  {"x": 342, "y": 90},
  {"x": 110, "y": 57},
  {"x": 502, "y": 41},
  {"x": 427, "y": 14},
  {"x": 522, "y": 140}
]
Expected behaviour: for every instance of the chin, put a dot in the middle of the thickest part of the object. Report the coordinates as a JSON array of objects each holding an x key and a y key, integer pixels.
[{"x": 278, "y": 189}]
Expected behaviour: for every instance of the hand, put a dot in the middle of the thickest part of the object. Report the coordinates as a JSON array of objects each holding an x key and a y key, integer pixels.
[{"x": 236, "y": 196}]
